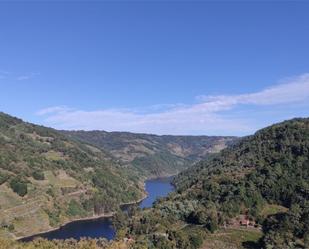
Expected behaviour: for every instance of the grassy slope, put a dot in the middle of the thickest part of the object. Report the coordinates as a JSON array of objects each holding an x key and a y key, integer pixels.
[
  {"x": 232, "y": 239},
  {"x": 76, "y": 177}
]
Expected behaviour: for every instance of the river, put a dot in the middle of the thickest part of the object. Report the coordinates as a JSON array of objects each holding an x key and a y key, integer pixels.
[{"x": 102, "y": 227}]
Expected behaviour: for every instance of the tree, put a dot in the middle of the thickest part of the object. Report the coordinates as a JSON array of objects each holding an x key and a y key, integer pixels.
[{"x": 19, "y": 186}]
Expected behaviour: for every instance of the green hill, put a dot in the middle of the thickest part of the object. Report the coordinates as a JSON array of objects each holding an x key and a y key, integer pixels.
[
  {"x": 47, "y": 179},
  {"x": 260, "y": 182},
  {"x": 153, "y": 155}
]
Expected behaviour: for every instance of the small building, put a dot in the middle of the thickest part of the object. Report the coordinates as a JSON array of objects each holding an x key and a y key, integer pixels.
[{"x": 244, "y": 222}]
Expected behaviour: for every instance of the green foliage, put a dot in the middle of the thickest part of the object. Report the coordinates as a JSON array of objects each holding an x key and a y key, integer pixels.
[
  {"x": 54, "y": 217},
  {"x": 38, "y": 175},
  {"x": 270, "y": 167},
  {"x": 56, "y": 244},
  {"x": 120, "y": 220},
  {"x": 75, "y": 209},
  {"x": 91, "y": 177},
  {"x": 3, "y": 178},
  {"x": 11, "y": 227},
  {"x": 196, "y": 240},
  {"x": 51, "y": 192},
  {"x": 153, "y": 155},
  {"x": 19, "y": 186},
  {"x": 284, "y": 230}
]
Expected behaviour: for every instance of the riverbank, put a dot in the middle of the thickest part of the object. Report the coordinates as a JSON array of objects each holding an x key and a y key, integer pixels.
[
  {"x": 161, "y": 177},
  {"x": 95, "y": 217},
  {"x": 97, "y": 222},
  {"x": 87, "y": 218}
]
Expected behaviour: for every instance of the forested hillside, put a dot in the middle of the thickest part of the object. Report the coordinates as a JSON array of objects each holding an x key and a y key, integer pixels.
[
  {"x": 47, "y": 179},
  {"x": 254, "y": 194},
  {"x": 153, "y": 155}
]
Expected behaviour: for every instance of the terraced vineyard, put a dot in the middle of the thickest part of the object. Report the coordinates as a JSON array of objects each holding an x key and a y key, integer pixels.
[{"x": 47, "y": 179}]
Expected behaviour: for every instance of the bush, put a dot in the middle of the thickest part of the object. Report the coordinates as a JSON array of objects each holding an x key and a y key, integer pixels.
[
  {"x": 75, "y": 209},
  {"x": 3, "y": 178},
  {"x": 11, "y": 227},
  {"x": 196, "y": 240},
  {"x": 19, "y": 186},
  {"x": 38, "y": 175}
]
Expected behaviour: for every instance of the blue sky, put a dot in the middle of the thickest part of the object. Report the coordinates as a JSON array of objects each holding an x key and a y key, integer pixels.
[{"x": 226, "y": 68}]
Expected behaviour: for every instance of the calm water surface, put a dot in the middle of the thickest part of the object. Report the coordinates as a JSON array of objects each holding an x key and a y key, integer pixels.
[
  {"x": 160, "y": 187},
  {"x": 103, "y": 227}
]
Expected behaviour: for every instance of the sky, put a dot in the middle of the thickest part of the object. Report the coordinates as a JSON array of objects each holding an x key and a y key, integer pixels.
[{"x": 163, "y": 67}]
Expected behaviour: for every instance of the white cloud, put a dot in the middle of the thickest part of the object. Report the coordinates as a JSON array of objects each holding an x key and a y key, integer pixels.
[
  {"x": 295, "y": 90},
  {"x": 23, "y": 77},
  {"x": 27, "y": 76},
  {"x": 53, "y": 110},
  {"x": 12, "y": 76},
  {"x": 210, "y": 116}
]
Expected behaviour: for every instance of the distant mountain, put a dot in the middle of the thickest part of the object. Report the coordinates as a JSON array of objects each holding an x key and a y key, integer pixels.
[
  {"x": 260, "y": 182},
  {"x": 153, "y": 155},
  {"x": 47, "y": 179}
]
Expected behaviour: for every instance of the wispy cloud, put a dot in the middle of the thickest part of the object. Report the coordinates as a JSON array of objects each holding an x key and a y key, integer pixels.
[
  {"x": 212, "y": 115},
  {"x": 54, "y": 109},
  {"x": 6, "y": 75},
  {"x": 295, "y": 90},
  {"x": 27, "y": 76}
]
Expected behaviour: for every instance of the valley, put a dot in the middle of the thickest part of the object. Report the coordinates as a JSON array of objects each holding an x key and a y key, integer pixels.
[
  {"x": 154, "y": 124},
  {"x": 49, "y": 178},
  {"x": 151, "y": 155},
  {"x": 251, "y": 194}
]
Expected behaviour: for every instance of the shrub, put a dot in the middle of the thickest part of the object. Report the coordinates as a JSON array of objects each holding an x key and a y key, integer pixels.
[
  {"x": 38, "y": 175},
  {"x": 75, "y": 209},
  {"x": 19, "y": 186}
]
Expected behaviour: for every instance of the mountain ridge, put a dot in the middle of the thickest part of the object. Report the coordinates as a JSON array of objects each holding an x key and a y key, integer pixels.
[{"x": 163, "y": 154}]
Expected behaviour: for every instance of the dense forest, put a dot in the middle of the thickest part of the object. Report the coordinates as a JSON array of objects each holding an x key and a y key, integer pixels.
[{"x": 260, "y": 184}]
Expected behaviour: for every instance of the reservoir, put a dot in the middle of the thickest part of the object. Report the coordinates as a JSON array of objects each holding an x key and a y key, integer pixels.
[{"x": 102, "y": 227}]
